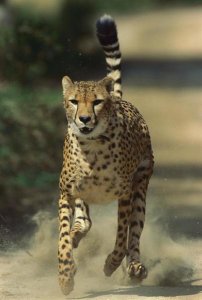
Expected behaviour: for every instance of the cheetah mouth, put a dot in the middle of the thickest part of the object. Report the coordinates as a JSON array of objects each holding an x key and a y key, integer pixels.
[{"x": 86, "y": 130}]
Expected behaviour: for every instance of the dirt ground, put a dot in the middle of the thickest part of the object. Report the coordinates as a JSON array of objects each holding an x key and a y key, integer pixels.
[
  {"x": 173, "y": 258},
  {"x": 170, "y": 33},
  {"x": 171, "y": 243}
]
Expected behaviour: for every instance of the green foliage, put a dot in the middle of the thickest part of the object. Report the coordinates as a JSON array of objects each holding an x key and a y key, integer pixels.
[
  {"x": 45, "y": 45},
  {"x": 32, "y": 129},
  {"x": 128, "y": 6}
]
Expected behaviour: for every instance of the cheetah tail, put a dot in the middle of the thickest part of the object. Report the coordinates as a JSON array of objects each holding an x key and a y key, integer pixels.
[{"x": 108, "y": 38}]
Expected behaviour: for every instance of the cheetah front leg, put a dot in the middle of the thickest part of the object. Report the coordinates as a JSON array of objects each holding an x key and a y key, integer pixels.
[
  {"x": 82, "y": 222},
  {"x": 67, "y": 268},
  {"x": 115, "y": 258},
  {"x": 135, "y": 268}
]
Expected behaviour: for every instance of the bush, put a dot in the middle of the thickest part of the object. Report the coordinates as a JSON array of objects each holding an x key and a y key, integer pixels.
[
  {"x": 32, "y": 129},
  {"x": 37, "y": 45}
]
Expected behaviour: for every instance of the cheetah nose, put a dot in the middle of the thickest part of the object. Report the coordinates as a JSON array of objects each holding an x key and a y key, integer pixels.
[{"x": 84, "y": 119}]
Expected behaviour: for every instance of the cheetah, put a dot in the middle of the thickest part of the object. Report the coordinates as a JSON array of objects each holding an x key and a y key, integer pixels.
[{"x": 107, "y": 156}]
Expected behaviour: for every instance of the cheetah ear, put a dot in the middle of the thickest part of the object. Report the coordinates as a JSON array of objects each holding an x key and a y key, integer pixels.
[
  {"x": 66, "y": 84},
  {"x": 108, "y": 83}
]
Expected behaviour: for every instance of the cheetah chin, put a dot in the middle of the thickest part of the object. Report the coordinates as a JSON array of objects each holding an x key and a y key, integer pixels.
[
  {"x": 86, "y": 130},
  {"x": 89, "y": 133}
]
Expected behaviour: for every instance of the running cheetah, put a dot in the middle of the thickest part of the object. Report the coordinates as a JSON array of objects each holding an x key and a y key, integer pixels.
[{"x": 107, "y": 156}]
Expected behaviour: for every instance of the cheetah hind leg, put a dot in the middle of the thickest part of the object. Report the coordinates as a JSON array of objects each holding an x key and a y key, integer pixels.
[
  {"x": 82, "y": 222},
  {"x": 115, "y": 258},
  {"x": 136, "y": 270}
]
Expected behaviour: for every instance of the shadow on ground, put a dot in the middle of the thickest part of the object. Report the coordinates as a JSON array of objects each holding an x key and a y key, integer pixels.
[
  {"x": 148, "y": 291},
  {"x": 163, "y": 72}
]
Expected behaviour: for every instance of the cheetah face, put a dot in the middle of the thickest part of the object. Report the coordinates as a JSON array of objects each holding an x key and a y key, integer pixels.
[{"x": 87, "y": 105}]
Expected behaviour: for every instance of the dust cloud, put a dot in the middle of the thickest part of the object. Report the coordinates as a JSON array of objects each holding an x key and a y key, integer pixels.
[{"x": 32, "y": 274}]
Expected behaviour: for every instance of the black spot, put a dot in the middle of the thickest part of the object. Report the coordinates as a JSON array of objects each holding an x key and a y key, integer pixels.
[
  {"x": 137, "y": 196},
  {"x": 122, "y": 215},
  {"x": 135, "y": 235},
  {"x": 66, "y": 270},
  {"x": 82, "y": 218},
  {"x": 125, "y": 222},
  {"x": 120, "y": 228},
  {"x": 66, "y": 262},
  {"x": 64, "y": 206},
  {"x": 65, "y": 218},
  {"x": 125, "y": 202},
  {"x": 134, "y": 223},
  {"x": 140, "y": 169},
  {"x": 64, "y": 234},
  {"x": 141, "y": 224}
]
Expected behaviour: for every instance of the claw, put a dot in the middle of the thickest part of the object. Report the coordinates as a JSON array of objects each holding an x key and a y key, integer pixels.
[{"x": 137, "y": 270}]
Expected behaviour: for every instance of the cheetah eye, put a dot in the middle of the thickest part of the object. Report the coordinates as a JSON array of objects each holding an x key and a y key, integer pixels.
[
  {"x": 73, "y": 101},
  {"x": 97, "y": 102}
]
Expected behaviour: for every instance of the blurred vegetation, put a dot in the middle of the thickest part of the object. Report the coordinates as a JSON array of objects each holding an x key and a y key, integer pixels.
[
  {"x": 47, "y": 39},
  {"x": 32, "y": 129},
  {"x": 36, "y": 44},
  {"x": 41, "y": 40},
  {"x": 128, "y": 6}
]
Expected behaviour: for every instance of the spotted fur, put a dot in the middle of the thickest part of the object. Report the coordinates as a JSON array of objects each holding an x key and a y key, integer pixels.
[{"x": 107, "y": 156}]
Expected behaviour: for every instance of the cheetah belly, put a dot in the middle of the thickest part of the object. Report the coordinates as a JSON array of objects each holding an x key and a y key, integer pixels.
[{"x": 100, "y": 187}]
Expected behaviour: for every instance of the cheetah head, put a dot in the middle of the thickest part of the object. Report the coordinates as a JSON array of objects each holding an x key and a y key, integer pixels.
[{"x": 87, "y": 105}]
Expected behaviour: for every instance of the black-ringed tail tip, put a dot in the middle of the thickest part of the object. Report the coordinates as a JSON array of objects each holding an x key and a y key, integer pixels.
[
  {"x": 108, "y": 38},
  {"x": 106, "y": 27}
]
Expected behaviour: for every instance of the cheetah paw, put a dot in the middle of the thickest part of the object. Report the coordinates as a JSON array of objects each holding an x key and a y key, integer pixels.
[
  {"x": 137, "y": 270},
  {"x": 67, "y": 286}
]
